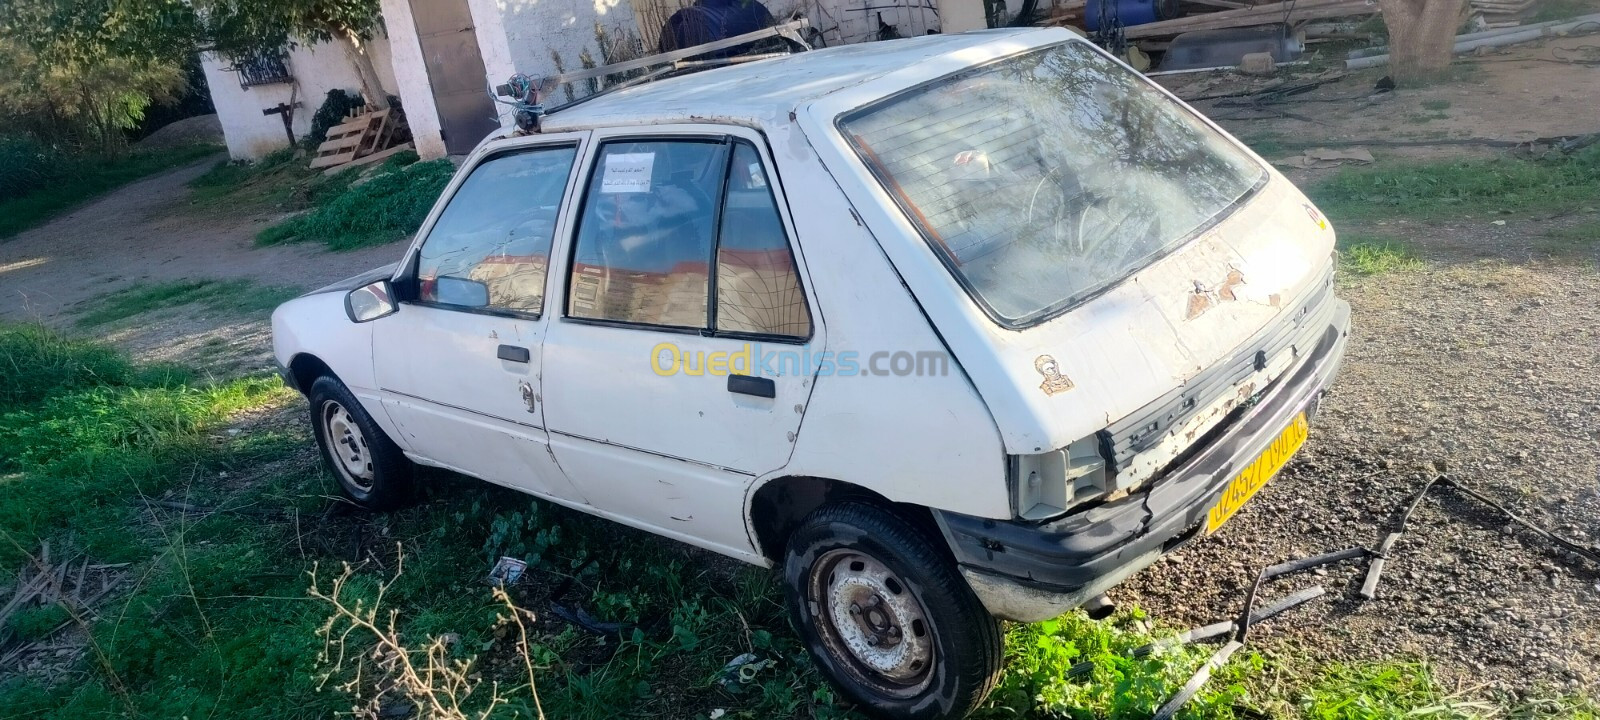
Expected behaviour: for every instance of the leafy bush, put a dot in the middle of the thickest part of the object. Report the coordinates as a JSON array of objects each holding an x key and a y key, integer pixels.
[
  {"x": 335, "y": 108},
  {"x": 25, "y": 166},
  {"x": 57, "y": 96},
  {"x": 1035, "y": 682},
  {"x": 388, "y": 206}
]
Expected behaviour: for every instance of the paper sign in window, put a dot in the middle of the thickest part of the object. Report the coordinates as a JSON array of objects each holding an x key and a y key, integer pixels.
[{"x": 627, "y": 173}]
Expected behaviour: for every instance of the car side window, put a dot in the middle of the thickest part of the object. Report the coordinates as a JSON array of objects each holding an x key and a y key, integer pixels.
[
  {"x": 656, "y": 213},
  {"x": 644, "y": 240},
  {"x": 758, "y": 284},
  {"x": 491, "y": 245}
]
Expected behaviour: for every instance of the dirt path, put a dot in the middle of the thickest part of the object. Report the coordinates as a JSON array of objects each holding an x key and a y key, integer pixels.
[
  {"x": 147, "y": 233},
  {"x": 1521, "y": 93}
]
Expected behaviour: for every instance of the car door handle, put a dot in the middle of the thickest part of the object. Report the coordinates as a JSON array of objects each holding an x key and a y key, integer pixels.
[
  {"x": 757, "y": 386},
  {"x": 513, "y": 353}
]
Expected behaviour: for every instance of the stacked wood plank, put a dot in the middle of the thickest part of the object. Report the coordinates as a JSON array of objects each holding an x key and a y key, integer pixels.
[
  {"x": 361, "y": 139},
  {"x": 1501, "y": 13},
  {"x": 76, "y": 585},
  {"x": 1265, "y": 14}
]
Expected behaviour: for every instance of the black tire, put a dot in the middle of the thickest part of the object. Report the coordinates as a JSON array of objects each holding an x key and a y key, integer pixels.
[
  {"x": 371, "y": 470},
  {"x": 830, "y": 565}
]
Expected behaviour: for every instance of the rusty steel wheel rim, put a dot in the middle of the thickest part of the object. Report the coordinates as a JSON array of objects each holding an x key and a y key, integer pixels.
[{"x": 870, "y": 620}]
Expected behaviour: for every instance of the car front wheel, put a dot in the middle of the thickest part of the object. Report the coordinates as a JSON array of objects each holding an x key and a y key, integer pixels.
[
  {"x": 887, "y": 617},
  {"x": 371, "y": 470}
]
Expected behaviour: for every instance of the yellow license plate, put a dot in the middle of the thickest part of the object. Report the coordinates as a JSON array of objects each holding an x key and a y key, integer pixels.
[{"x": 1255, "y": 476}]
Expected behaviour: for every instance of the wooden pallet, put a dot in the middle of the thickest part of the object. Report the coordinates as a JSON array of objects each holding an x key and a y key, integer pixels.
[
  {"x": 356, "y": 137},
  {"x": 369, "y": 159}
]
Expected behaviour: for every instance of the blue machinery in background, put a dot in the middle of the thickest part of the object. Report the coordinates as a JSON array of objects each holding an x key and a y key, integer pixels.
[{"x": 1108, "y": 14}]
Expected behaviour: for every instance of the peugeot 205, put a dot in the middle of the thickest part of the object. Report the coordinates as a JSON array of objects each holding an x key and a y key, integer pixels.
[{"x": 947, "y": 330}]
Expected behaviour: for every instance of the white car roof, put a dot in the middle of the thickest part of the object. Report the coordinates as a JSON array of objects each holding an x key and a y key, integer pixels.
[{"x": 748, "y": 93}]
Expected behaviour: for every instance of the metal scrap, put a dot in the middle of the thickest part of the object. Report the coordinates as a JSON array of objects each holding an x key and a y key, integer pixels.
[
  {"x": 1214, "y": 630},
  {"x": 1248, "y": 617},
  {"x": 1369, "y": 587},
  {"x": 1380, "y": 556}
]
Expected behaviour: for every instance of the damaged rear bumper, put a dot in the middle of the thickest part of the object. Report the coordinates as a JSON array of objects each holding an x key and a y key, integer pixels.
[{"x": 1034, "y": 571}]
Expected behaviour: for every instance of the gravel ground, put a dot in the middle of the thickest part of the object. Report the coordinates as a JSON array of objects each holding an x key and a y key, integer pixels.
[{"x": 1484, "y": 369}]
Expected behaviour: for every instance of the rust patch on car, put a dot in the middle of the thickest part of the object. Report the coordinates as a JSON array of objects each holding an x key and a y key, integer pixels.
[
  {"x": 1054, "y": 381},
  {"x": 1234, "y": 279},
  {"x": 1204, "y": 298}
]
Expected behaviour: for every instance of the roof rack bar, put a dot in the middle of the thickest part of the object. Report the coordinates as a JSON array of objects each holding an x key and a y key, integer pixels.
[
  {"x": 789, "y": 30},
  {"x": 716, "y": 62},
  {"x": 676, "y": 67}
]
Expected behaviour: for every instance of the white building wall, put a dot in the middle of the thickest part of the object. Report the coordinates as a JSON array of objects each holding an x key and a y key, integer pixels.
[
  {"x": 549, "y": 37},
  {"x": 494, "y": 44},
  {"x": 315, "y": 69},
  {"x": 411, "y": 79}
]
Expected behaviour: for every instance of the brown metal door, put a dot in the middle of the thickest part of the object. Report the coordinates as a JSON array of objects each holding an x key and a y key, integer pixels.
[{"x": 455, "y": 72}]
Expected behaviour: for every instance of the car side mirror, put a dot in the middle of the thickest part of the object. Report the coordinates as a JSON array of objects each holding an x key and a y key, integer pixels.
[{"x": 370, "y": 302}]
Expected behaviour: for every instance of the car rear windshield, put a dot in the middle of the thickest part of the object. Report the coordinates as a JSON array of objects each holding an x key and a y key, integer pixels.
[{"x": 1045, "y": 177}]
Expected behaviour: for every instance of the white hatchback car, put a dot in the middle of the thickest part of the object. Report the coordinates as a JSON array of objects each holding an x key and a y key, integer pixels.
[{"x": 950, "y": 329}]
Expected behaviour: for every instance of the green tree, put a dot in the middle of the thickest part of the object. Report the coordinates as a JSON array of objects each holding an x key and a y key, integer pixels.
[
  {"x": 82, "y": 72},
  {"x": 254, "y": 27}
]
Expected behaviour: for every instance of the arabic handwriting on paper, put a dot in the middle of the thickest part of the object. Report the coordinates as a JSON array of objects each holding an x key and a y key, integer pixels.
[{"x": 627, "y": 173}]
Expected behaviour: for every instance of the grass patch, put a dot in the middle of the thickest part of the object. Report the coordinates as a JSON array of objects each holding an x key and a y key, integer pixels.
[
  {"x": 385, "y": 206},
  {"x": 217, "y": 622},
  {"x": 280, "y": 180},
  {"x": 81, "y": 179},
  {"x": 1368, "y": 255},
  {"x": 1576, "y": 240},
  {"x": 1451, "y": 189},
  {"x": 237, "y": 297},
  {"x": 1373, "y": 691}
]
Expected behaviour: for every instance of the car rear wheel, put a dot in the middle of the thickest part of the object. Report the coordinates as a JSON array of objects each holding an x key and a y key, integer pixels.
[
  {"x": 371, "y": 470},
  {"x": 887, "y": 617}
]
